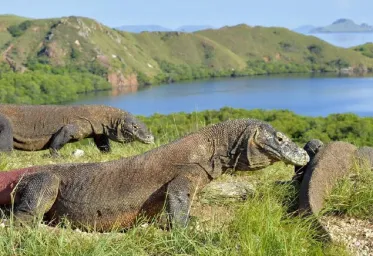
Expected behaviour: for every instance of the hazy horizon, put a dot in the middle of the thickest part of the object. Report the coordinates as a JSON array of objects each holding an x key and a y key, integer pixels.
[{"x": 215, "y": 13}]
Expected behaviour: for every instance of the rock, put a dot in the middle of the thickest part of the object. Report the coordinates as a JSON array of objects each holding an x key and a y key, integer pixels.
[
  {"x": 232, "y": 191},
  {"x": 78, "y": 153}
]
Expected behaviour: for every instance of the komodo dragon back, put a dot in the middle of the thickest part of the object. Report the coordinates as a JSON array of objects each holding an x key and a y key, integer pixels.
[
  {"x": 331, "y": 163},
  {"x": 113, "y": 194}
]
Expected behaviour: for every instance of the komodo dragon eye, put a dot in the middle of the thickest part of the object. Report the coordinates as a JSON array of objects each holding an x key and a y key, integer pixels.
[
  {"x": 279, "y": 136},
  {"x": 135, "y": 126}
]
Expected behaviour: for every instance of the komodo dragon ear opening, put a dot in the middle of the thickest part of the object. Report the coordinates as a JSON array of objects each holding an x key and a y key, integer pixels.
[
  {"x": 254, "y": 138},
  {"x": 252, "y": 145}
]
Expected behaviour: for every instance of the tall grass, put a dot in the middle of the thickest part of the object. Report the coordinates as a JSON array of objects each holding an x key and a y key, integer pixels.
[{"x": 353, "y": 195}]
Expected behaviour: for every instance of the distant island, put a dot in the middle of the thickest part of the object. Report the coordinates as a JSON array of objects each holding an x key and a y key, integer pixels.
[
  {"x": 338, "y": 26},
  {"x": 157, "y": 28}
]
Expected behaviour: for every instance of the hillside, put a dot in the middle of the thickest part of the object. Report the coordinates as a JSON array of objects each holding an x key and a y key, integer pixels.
[
  {"x": 365, "y": 49},
  {"x": 343, "y": 26},
  {"x": 61, "y": 48}
]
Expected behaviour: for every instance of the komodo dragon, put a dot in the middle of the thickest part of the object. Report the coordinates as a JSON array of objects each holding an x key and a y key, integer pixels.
[
  {"x": 112, "y": 194},
  {"x": 311, "y": 147},
  {"x": 332, "y": 162},
  {"x": 28, "y": 127},
  {"x": 364, "y": 157}
]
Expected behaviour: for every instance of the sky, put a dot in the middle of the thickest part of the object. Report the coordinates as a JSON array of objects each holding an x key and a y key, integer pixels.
[{"x": 217, "y": 13}]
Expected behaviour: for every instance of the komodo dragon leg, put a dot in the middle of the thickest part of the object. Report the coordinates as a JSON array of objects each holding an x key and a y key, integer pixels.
[
  {"x": 6, "y": 134},
  {"x": 180, "y": 192},
  {"x": 61, "y": 137},
  {"x": 102, "y": 142},
  {"x": 35, "y": 196},
  {"x": 178, "y": 201}
]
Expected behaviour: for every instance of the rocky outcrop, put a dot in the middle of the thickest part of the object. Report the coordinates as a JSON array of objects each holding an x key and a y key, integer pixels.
[{"x": 123, "y": 83}]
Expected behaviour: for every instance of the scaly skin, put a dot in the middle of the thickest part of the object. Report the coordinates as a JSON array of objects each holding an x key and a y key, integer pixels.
[
  {"x": 112, "y": 194},
  {"x": 312, "y": 147},
  {"x": 332, "y": 162},
  {"x": 364, "y": 157},
  {"x": 28, "y": 127}
]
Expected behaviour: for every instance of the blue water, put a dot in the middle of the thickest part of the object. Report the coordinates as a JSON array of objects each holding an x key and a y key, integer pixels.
[
  {"x": 312, "y": 96},
  {"x": 346, "y": 39}
]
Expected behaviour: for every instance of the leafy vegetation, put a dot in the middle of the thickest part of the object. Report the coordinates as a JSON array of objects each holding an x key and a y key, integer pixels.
[
  {"x": 346, "y": 127},
  {"x": 48, "y": 85},
  {"x": 18, "y": 30}
]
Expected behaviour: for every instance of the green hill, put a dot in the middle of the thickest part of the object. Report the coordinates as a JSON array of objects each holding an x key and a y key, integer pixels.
[
  {"x": 47, "y": 50},
  {"x": 365, "y": 49}
]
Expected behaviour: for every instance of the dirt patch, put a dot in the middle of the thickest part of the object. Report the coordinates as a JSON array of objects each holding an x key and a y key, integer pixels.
[{"x": 356, "y": 234}]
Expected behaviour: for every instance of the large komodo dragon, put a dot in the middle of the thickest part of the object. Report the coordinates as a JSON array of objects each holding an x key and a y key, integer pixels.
[
  {"x": 112, "y": 194},
  {"x": 28, "y": 127},
  {"x": 332, "y": 162},
  {"x": 327, "y": 165}
]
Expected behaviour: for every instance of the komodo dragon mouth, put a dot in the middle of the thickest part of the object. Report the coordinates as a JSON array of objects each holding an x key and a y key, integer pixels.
[{"x": 129, "y": 137}]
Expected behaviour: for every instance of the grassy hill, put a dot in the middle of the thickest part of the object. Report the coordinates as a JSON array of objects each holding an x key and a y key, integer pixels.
[
  {"x": 365, "y": 49},
  {"x": 62, "y": 46}
]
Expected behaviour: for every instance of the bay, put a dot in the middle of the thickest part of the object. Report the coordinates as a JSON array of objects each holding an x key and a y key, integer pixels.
[{"x": 305, "y": 95}]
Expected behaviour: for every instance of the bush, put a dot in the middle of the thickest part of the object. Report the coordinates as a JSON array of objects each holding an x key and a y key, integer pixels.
[{"x": 18, "y": 30}]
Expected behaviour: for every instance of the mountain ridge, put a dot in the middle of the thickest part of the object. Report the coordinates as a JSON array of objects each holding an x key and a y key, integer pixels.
[{"x": 129, "y": 59}]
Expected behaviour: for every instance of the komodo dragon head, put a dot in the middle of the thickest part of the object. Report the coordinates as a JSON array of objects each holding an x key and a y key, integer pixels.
[
  {"x": 129, "y": 129},
  {"x": 265, "y": 145}
]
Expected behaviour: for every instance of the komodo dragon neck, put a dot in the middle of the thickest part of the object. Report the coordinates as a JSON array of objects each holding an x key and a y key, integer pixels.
[
  {"x": 101, "y": 122},
  {"x": 211, "y": 148}
]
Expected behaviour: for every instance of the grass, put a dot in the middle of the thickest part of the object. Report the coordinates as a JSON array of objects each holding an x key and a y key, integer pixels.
[
  {"x": 353, "y": 195},
  {"x": 261, "y": 225}
]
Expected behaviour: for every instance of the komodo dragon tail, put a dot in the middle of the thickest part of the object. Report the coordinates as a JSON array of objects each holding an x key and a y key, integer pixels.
[{"x": 8, "y": 180}]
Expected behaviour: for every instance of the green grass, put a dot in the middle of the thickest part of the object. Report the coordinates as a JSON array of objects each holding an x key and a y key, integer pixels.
[
  {"x": 353, "y": 195},
  {"x": 365, "y": 49}
]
